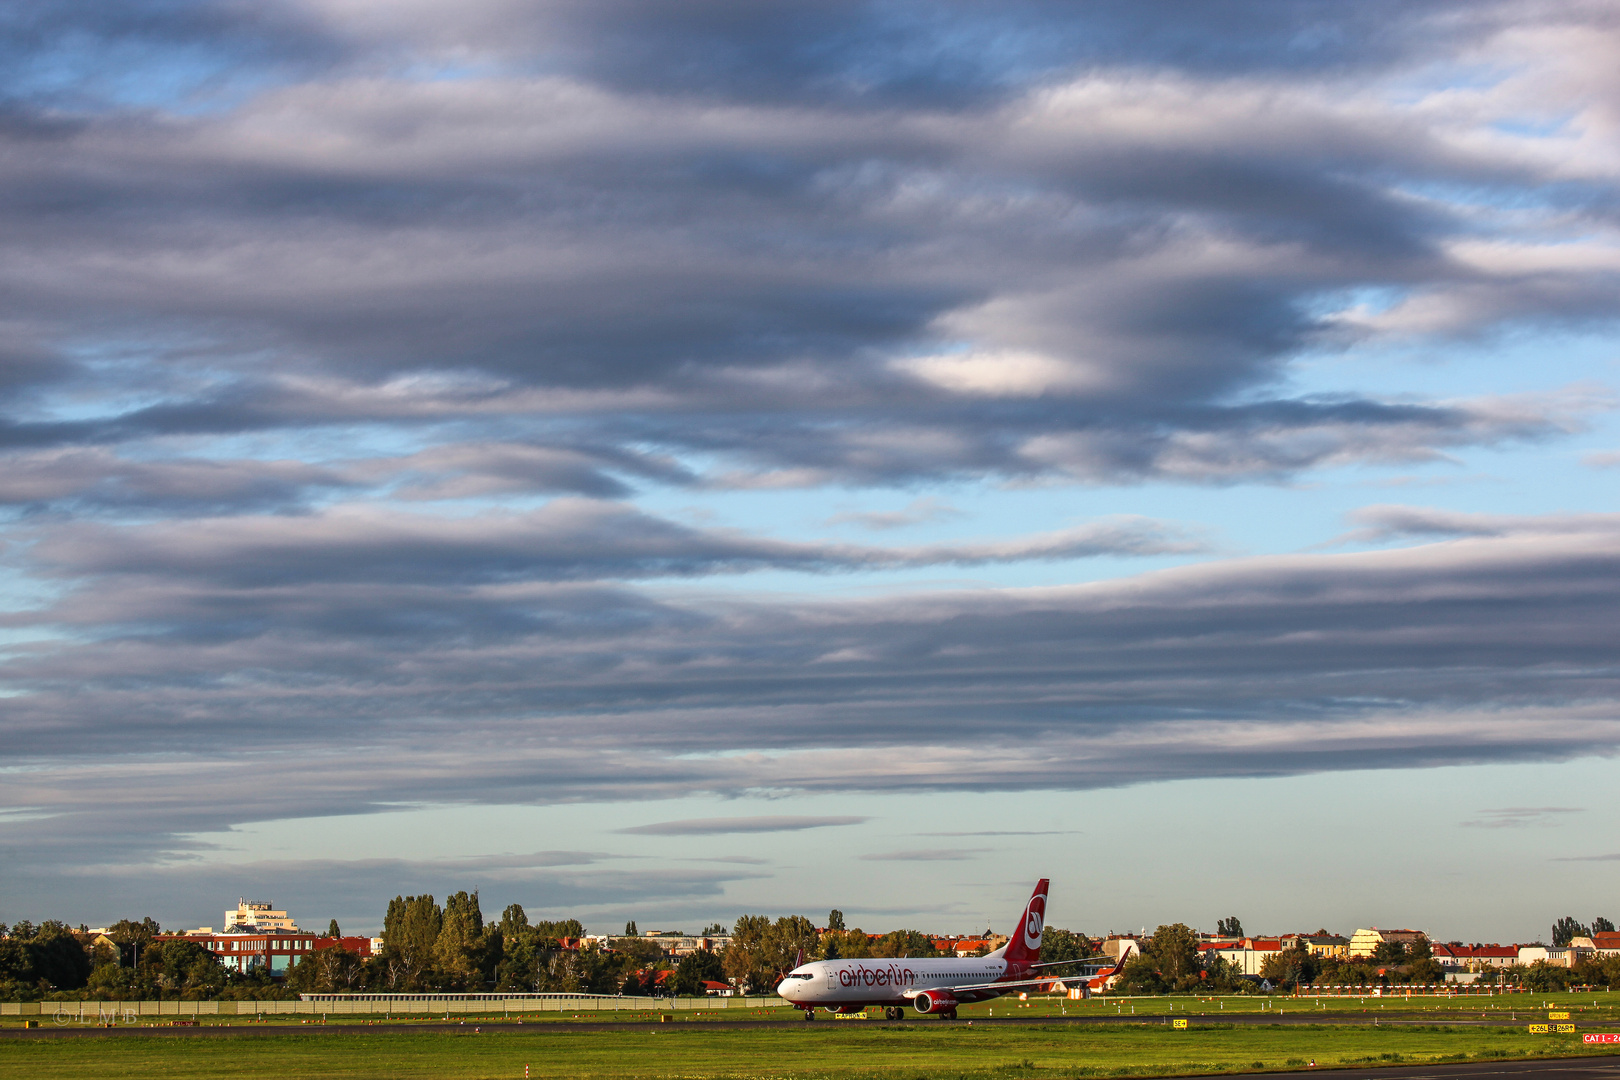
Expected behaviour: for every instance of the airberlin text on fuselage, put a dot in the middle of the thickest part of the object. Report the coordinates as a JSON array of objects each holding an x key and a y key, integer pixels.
[{"x": 893, "y": 975}]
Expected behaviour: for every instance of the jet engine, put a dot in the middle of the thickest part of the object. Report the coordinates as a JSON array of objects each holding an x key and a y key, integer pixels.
[{"x": 935, "y": 1001}]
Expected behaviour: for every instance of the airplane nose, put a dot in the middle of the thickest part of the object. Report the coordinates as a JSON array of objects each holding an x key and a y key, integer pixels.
[{"x": 783, "y": 988}]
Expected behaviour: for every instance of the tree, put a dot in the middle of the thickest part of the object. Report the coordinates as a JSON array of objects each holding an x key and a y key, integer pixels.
[
  {"x": 1390, "y": 952},
  {"x": 410, "y": 936},
  {"x": 132, "y": 937},
  {"x": 845, "y": 944},
  {"x": 909, "y": 943},
  {"x": 1566, "y": 930},
  {"x": 1173, "y": 951},
  {"x": 561, "y": 929},
  {"x": 761, "y": 952},
  {"x": 332, "y": 930},
  {"x": 1058, "y": 945},
  {"x": 514, "y": 921},
  {"x": 639, "y": 951},
  {"x": 1600, "y": 925},
  {"x": 459, "y": 948},
  {"x": 713, "y": 930},
  {"x": 1231, "y": 926},
  {"x": 693, "y": 970},
  {"x": 630, "y": 928},
  {"x": 1141, "y": 977},
  {"x": 59, "y": 958},
  {"x": 835, "y": 919},
  {"x": 332, "y": 970},
  {"x": 1290, "y": 967},
  {"x": 180, "y": 968}
]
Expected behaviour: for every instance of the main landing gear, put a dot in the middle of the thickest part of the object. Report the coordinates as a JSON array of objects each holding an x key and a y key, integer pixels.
[{"x": 893, "y": 1013}]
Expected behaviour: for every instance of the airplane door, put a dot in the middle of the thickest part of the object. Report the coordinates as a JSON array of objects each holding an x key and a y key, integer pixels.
[{"x": 832, "y": 980}]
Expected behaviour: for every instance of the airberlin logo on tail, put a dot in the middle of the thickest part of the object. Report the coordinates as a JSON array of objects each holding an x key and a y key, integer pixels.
[{"x": 1034, "y": 920}]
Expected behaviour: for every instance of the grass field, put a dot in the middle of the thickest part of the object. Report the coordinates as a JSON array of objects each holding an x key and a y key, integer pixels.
[
  {"x": 829, "y": 1051},
  {"x": 1586, "y": 1008},
  {"x": 919, "y": 1048}
]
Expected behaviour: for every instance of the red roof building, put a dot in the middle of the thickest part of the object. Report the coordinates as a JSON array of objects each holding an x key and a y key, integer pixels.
[
  {"x": 1464, "y": 957},
  {"x": 358, "y": 945},
  {"x": 274, "y": 951}
]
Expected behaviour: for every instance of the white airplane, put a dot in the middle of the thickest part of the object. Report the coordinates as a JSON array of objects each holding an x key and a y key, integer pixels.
[{"x": 934, "y": 985}]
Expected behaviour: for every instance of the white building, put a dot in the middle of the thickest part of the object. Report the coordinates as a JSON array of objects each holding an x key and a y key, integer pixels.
[
  {"x": 1365, "y": 942},
  {"x": 1556, "y": 955},
  {"x": 257, "y": 915}
]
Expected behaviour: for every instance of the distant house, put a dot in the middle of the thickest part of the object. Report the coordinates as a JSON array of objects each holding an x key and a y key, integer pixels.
[
  {"x": 968, "y": 946},
  {"x": 1320, "y": 943},
  {"x": 1457, "y": 957},
  {"x": 1119, "y": 947},
  {"x": 1602, "y": 943},
  {"x": 1555, "y": 955},
  {"x": 362, "y": 946},
  {"x": 1366, "y": 942},
  {"x": 672, "y": 942},
  {"x": 1249, "y": 954},
  {"x": 245, "y": 950}
]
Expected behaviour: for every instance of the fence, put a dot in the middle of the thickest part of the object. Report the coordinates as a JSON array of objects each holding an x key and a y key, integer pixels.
[{"x": 405, "y": 1005}]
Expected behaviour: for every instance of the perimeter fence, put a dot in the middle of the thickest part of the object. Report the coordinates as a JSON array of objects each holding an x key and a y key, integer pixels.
[{"x": 408, "y": 1005}]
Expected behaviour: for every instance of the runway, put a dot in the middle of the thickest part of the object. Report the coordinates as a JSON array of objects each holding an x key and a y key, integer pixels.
[
  {"x": 50, "y": 1030},
  {"x": 1563, "y": 1069}
]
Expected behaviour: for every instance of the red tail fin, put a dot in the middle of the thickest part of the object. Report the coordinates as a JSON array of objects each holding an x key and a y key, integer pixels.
[{"x": 1025, "y": 946}]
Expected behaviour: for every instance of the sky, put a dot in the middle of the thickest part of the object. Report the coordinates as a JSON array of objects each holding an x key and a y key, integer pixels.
[{"x": 676, "y": 461}]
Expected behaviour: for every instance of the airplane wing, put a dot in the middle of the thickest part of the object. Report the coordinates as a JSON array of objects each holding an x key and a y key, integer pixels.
[
  {"x": 1081, "y": 960},
  {"x": 1021, "y": 984}
]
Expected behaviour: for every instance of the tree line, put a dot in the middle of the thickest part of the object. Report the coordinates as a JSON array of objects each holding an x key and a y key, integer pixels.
[
  {"x": 134, "y": 963},
  {"x": 428, "y": 947},
  {"x": 450, "y": 948},
  {"x": 1170, "y": 962}
]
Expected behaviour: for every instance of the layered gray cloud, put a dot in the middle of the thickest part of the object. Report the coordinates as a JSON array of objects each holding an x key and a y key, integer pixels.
[
  {"x": 1472, "y": 650},
  {"x": 567, "y": 540},
  {"x": 1520, "y": 817},
  {"x": 926, "y": 855},
  {"x": 1091, "y": 269},
  {"x": 352, "y": 359},
  {"x": 756, "y": 824}
]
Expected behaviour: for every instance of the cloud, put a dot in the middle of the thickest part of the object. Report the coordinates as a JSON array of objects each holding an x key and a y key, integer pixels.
[
  {"x": 568, "y": 539},
  {"x": 757, "y": 824},
  {"x": 790, "y": 266},
  {"x": 349, "y": 354},
  {"x": 1519, "y": 817},
  {"x": 1483, "y": 649},
  {"x": 928, "y": 855},
  {"x": 1009, "y": 832},
  {"x": 1392, "y": 522},
  {"x": 916, "y": 512}
]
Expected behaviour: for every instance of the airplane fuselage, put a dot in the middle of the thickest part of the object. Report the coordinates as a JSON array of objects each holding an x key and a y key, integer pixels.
[{"x": 879, "y": 981}]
